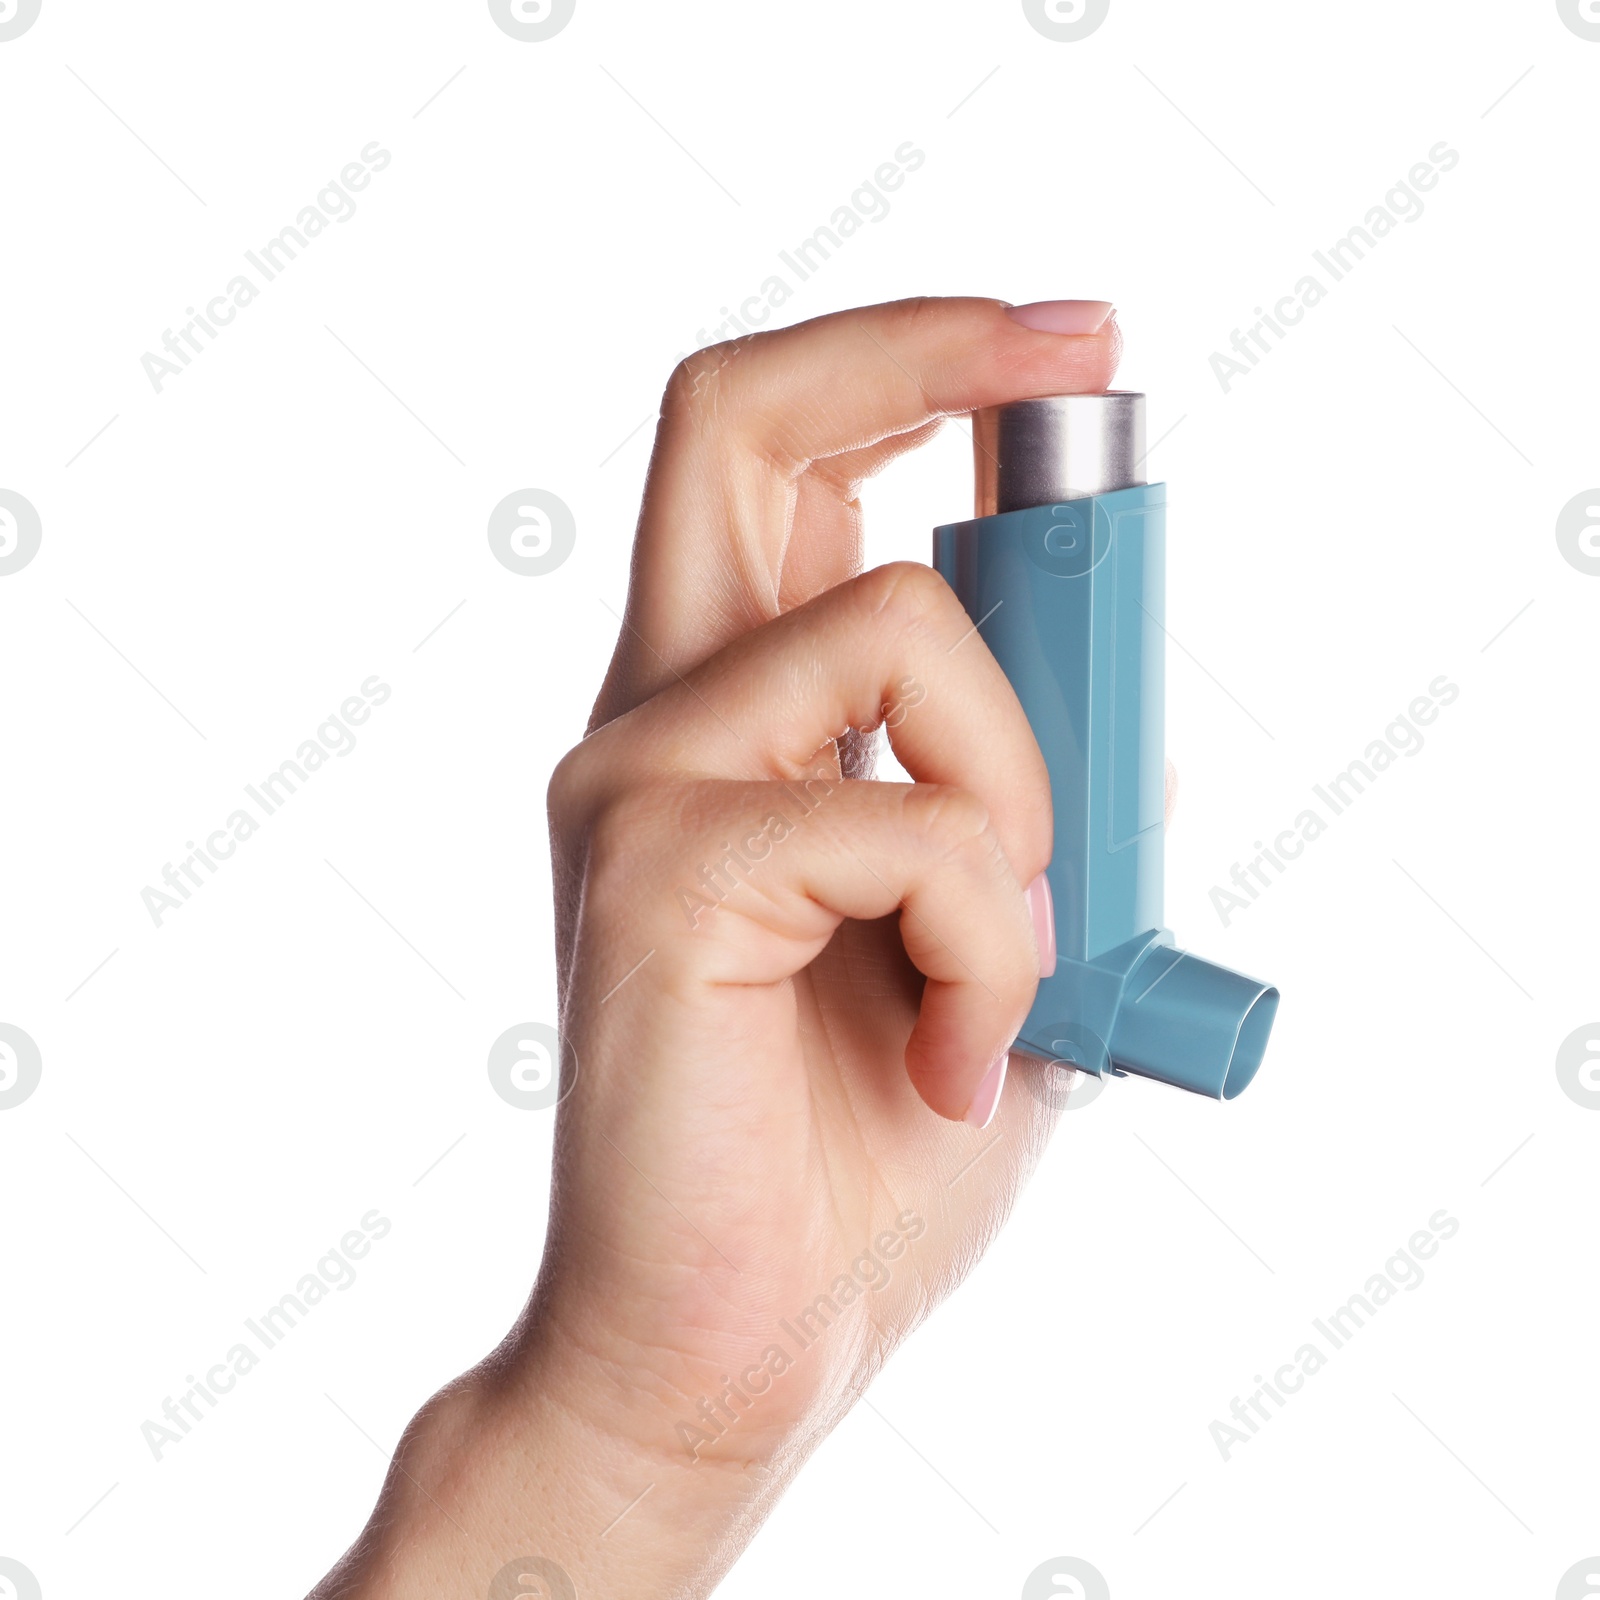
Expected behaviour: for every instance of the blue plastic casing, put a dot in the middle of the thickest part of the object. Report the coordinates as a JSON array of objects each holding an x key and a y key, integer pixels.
[{"x": 1071, "y": 600}]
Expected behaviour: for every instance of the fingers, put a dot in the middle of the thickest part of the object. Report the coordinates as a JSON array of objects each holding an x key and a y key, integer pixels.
[
  {"x": 845, "y": 381},
  {"x": 719, "y": 548},
  {"x": 745, "y": 884},
  {"x": 892, "y": 646}
]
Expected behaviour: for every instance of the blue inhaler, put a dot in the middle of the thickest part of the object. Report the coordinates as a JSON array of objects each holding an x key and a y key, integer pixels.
[{"x": 1063, "y": 571}]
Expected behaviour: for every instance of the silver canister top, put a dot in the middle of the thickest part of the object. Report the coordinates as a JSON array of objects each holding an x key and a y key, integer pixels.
[{"x": 1062, "y": 447}]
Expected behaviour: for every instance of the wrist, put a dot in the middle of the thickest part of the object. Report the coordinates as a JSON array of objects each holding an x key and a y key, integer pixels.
[
  {"x": 639, "y": 1501},
  {"x": 541, "y": 1462}
]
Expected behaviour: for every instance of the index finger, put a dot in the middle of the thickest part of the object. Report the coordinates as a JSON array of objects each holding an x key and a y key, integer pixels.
[
  {"x": 854, "y": 377},
  {"x": 741, "y": 422}
]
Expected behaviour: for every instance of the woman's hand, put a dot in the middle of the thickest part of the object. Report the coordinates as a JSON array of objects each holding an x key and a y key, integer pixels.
[{"x": 788, "y": 991}]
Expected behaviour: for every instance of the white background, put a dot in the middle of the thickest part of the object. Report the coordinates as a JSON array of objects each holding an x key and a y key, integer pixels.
[{"x": 229, "y": 559}]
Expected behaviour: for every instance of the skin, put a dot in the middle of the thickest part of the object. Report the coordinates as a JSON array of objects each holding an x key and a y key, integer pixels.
[{"x": 774, "y": 1097}]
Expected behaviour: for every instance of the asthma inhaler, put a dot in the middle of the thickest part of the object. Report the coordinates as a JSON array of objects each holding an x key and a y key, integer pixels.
[{"x": 1063, "y": 571}]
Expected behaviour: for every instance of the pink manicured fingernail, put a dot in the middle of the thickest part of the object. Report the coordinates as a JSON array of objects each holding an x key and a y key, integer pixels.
[
  {"x": 1062, "y": 316},
  {"x": 1044, "y": 924},
  {"x": 981, "y": 1112}
]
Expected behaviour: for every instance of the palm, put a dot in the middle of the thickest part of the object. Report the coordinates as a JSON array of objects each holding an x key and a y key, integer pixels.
[{"x": 783, "y": 1189}]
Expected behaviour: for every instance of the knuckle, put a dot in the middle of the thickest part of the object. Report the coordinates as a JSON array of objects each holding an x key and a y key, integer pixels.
[
  {"x": 906, "y": 594},
  {"x": 912, "y": 317},
  {"x": 567, "y": 793},
  {"x": 590, "y": 802},
  {"x": 693, "y": 391},
  {"x": 952, "y": 820},
  {"x": 722, "y": 395}
]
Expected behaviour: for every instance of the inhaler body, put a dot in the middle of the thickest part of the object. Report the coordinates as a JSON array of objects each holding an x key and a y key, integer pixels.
[{"x": 1064, "y": 572}]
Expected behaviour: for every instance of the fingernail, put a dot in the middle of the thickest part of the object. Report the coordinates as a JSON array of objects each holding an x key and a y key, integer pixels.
[
  {"x": 981, "y": 1112},
  {"x": 1044, "y": 924},
  {"x": 1062, "y": 316}
]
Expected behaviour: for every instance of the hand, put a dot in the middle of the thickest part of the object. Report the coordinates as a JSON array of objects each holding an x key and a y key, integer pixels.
[{"x": 788, "y": 991}]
